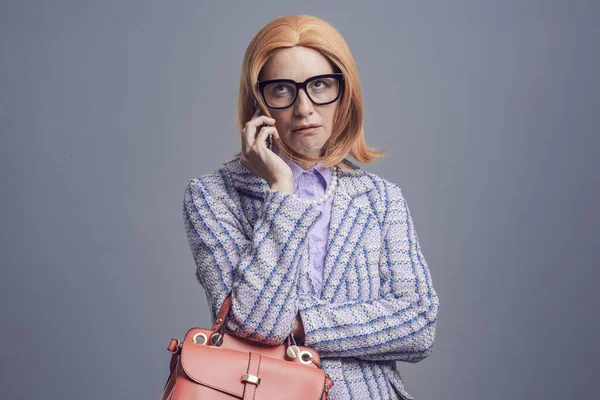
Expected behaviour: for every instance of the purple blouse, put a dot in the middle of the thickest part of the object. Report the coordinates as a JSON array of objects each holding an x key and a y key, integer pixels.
[{"x": 311, "y": 184}]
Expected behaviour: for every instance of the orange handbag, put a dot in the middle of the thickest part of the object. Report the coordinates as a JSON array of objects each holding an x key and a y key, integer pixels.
[{"x": 214, "y": 365}]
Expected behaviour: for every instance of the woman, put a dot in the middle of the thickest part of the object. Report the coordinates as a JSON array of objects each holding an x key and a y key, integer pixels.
[{"x": 344, "y": 273}]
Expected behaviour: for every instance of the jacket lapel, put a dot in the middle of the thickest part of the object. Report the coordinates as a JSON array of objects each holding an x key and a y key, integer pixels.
[{"x": 350, "y": 216}]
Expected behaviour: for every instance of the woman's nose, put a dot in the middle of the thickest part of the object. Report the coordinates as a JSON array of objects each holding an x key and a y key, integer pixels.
[{"x": 303, "y": 106}]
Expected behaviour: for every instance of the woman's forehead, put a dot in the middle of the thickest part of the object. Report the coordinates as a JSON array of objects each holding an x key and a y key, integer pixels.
[{"x": 297, "y": 63}]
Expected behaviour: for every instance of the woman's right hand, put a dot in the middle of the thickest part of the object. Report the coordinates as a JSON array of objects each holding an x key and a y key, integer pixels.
[{"x": 259, "y": 159}]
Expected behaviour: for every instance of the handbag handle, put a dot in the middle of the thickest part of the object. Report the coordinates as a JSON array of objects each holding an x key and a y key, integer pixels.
[{"x": 218, "y": 328}]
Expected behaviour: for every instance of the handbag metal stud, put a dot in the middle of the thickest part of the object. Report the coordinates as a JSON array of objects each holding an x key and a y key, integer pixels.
[
  {"x": 216, "y": 340},
  {"x": 293, "y": 351}
]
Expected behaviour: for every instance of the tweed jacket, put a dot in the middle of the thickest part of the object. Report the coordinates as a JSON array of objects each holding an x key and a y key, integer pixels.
[{"x": 378, "y": 304}]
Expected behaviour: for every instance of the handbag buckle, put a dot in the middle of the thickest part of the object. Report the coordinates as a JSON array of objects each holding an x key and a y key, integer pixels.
[{"x": 251, "y": 379}]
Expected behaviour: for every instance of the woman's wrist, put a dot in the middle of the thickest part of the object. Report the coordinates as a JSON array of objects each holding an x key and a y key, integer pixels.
[{"x": 283, "y": 186}]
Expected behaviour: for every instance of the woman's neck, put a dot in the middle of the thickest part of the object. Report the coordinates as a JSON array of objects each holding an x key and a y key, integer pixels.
[
  {"x": 302, "y": 164},
  {"x": 306, "y": 166}
]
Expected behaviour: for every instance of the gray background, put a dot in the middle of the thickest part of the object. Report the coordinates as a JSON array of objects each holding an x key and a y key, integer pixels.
[{"x": 108, "y": 109}]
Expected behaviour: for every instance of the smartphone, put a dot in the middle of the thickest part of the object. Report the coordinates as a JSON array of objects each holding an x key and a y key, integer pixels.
[{"x": 270, "y": 137}]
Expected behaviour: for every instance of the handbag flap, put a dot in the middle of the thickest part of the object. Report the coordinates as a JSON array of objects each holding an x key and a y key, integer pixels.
[{"x": 221, "y": 369}]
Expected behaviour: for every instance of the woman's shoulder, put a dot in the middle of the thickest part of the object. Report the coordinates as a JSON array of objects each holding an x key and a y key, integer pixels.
[
  {"x": 384, "y": 187},
  {"x": 215, "y": 182}
]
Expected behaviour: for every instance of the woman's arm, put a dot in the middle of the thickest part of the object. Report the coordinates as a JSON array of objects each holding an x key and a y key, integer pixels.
[
  {"x": 261, "y": 272},
  {"x": 398, "y": 326}
]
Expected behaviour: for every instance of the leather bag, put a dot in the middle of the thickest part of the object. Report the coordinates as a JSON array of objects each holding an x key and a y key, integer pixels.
[{"x": 215, "y": 365}]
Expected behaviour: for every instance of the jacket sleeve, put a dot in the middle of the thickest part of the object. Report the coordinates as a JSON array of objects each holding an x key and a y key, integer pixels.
[
  {"x": 260, "y": 271},
  {"x": 400, "y": 325}
]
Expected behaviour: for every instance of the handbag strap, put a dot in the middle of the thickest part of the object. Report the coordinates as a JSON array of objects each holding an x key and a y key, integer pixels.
[{"x": 222, "y": 314}]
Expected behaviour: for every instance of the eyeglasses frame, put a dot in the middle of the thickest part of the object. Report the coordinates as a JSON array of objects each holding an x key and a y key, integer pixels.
[{"x": 302, "y": 85}]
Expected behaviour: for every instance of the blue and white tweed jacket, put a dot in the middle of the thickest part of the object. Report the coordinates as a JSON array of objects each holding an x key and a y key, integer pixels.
[{"x": 378, "y": 304}]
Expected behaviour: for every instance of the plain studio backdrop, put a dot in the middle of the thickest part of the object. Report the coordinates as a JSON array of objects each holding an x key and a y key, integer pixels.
[{"x": 489, "y": 111}]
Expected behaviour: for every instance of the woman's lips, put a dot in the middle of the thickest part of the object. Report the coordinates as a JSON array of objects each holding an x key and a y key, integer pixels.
[{"x": 306, "y": 130}]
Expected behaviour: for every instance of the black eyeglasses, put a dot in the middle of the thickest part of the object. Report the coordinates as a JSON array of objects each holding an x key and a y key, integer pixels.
[{"x": 320, "y": 89}]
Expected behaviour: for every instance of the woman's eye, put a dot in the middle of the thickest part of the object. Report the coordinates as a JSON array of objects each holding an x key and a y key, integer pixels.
[
  {"x": 319, "y": 84},
  {"x": 280, "y": 90}
]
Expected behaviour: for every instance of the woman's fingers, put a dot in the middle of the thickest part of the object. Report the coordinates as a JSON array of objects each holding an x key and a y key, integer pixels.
[
  {"x": 255, "y": 155},
  {"x": 249, "y": 131},
  {"x": 263, "y": 133},
  {"x": 246, "y": 132}
]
